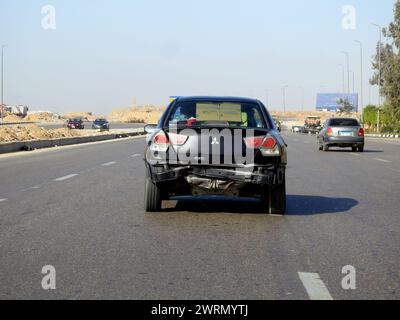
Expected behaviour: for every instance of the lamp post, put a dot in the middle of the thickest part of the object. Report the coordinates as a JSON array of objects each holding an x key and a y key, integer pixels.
[
  {"x": 343, "y": 90},
  {"x": 361, "y": 80},
  {"x": 348, "y": 70},
  {"x": 2, "y": 82},
  {"x": 379, "y": 76},
  {"x": 284, "y": 98}
]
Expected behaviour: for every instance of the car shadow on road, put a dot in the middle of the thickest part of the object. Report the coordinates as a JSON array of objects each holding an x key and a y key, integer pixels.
[
  {"x": 351, "y": 151},
  {"x": 297, "y": 205}
]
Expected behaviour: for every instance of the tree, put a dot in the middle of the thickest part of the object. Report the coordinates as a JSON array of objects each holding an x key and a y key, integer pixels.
[
  {"x": 390, "y": 72},
  {"x": 346, "y": 106}
]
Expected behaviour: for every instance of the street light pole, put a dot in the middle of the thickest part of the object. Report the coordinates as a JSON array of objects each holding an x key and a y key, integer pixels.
[
  {"x": 284, "y": 98},
  {"x": 342, "y": 66},
  {"x": 379, "y": 76},
  {"x": 2, "y": 82},
  {"x": 362, "y": 80},
  {"x": 348, "y": 70}
]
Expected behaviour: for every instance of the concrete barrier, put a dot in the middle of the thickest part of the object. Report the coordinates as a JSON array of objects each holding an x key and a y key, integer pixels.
[
  {"x": 15, "y": 123},
  {"x": 387, "y": 136},
  {"x": 9, "y": 147}
]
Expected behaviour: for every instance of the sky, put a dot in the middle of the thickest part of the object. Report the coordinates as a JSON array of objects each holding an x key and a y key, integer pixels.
[{"x": 97, "y": 55}]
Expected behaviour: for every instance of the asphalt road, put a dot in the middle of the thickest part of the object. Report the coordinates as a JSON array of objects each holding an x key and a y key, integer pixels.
[{"x": 79, "y": 209}]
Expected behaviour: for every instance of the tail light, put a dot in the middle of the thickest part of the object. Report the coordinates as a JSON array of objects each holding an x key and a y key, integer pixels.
[
  {"x": 330, "y": 132},
  {"x": 267, "y": 145},
  {"x": 361, "y": 132},
  {"x": 178, "y": 139},
  {"x": 161, "y": 139}
]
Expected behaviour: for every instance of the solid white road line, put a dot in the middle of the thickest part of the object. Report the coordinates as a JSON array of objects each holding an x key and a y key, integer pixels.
[
  {"x": 315, "y": 287},
  {"x": 2, "y": 200},
  {"x": 382, "y": 160},
  {"x": 66, "y": 177},
  {"x": 108, "y": 164}
]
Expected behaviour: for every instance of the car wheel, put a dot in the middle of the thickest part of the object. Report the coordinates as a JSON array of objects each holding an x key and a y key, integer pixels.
[
  {"x": 354, "y": 149},
  {"x": 360, "y": 149},
  {"x": 325, "y": 147},
  {"x": 152, "y": 197},
  {"x": 320, "y": 146},
  {"x": 276, "y": 198}
]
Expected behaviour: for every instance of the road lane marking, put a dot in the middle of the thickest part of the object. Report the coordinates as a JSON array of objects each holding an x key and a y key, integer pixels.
[
  {"x": 355, "y": 154},
  {"x": 315, "y": 287},
  {"x": 136, "y": 155},
  {"x": 2, "y": 200},
  {"x": 108, "y": 164},
  {"x": 66, "y": 177},
  {"x": 382, "y": 160}
]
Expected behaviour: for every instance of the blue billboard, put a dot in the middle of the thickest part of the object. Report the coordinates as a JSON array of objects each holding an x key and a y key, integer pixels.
[{"x": 329, "y": 101}]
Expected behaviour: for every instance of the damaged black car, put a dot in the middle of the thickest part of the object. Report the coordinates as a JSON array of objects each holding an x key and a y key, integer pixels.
[{"x": 219, "y": 146}]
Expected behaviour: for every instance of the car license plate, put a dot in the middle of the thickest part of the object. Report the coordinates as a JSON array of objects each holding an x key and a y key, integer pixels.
[{"x": 346, "y": 133}]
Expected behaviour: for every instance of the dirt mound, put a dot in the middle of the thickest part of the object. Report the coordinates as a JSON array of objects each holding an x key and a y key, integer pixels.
[
  {"x": 144, "y": 114},
  {"x": 12, "y": 118},
  {"x": 42, "y": 117},
  {"x": 34, "y": 132},
  {"x": 86, "y": 116}
]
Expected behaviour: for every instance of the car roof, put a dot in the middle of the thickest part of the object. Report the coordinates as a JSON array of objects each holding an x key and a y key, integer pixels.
[
  {"x": 336, "y": 118},
  {"x": 217, "y": 99}
]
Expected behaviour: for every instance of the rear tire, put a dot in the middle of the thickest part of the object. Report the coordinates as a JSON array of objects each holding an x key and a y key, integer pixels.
[
  {"x": 354, "y": 149},
  {"x": 276, "y": 198},
  {"x": 320, "y": 146},
  {"x": 152, "y": 197},
  {"x": 360, "y": 149}
]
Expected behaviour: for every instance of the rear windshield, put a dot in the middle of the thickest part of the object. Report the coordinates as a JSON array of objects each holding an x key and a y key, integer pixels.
[
  {"x": 226, "y": 114},
  {"x": 343, "y": 123}
]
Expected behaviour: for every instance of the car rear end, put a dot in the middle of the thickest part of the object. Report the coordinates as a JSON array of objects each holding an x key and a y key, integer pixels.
[
  {"x": 242, "y": 154},
  {"x": 344, "y": 133}
]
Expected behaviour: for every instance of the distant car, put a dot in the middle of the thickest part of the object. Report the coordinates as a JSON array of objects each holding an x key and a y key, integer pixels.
[
  {"x": 216, "y": 146},
  {"x": 297, "y": 129},
  {"x": 343, "y": 133},
  {"x": 101, "y": 124},
  {"x": 75, "y": 124}
]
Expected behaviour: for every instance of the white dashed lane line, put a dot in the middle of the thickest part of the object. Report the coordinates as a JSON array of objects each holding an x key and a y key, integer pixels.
[
  {"x": 66, "y": 177},
  {"x": 136, "y": 155},
  {"x": 2, "y": 200},
  {"x": 315, "y": 287},
  {"x": 108, "y": 164},
  {"x": 382, "y": 160}
]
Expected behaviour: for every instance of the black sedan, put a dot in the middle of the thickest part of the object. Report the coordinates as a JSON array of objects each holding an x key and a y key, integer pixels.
[{"x": 216, "y": 146}]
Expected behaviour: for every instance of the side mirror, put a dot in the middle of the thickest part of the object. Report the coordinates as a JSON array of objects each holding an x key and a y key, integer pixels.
[{"x": 150, "y": 128}]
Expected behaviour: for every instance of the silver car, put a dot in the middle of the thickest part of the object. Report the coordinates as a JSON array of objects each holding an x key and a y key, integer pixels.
[{"x": 343, "y": 133}]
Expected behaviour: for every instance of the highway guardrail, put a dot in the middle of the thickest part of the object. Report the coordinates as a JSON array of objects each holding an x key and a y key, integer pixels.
[{"x": 10, "y": 147}]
